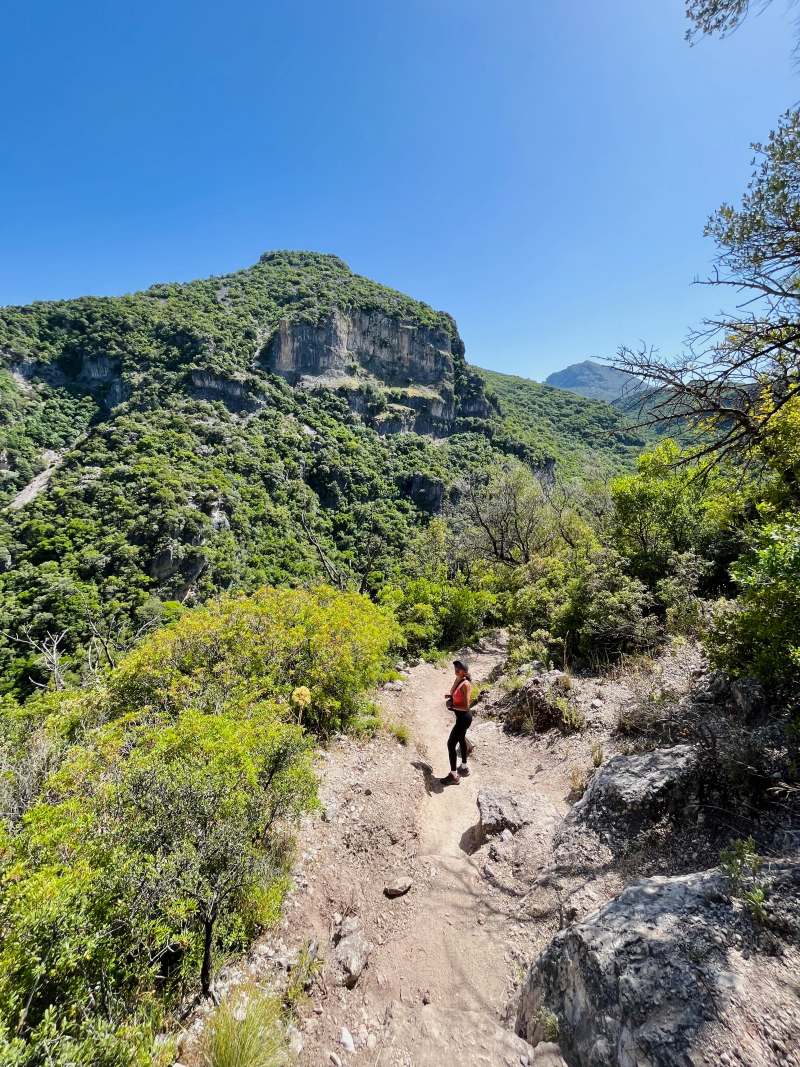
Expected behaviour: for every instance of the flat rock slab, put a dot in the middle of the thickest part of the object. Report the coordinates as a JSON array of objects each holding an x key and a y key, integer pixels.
[
  {"x": 506, "y": 811},
  {"x": 431, "y": 1036}
]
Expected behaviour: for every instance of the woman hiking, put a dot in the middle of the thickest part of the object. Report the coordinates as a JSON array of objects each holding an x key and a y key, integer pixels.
[{"x": 458, "y": 700}]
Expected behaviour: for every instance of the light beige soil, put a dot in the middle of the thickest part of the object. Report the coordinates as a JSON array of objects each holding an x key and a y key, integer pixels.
[{"x": 459, "y": 939}]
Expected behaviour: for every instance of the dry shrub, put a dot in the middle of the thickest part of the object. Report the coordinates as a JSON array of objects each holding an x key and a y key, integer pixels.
[
  {"x": 578, "y": 780},
  {"x": 542, "y": 703},
  {"x": 246, "y": 1031}
]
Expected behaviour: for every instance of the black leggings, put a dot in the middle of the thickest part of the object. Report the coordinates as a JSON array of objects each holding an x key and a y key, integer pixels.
[{"x": 458, "y": 736}]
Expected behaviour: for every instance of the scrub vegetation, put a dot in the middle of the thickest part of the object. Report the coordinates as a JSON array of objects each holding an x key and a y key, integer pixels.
[{"x": 207, "y": 588}]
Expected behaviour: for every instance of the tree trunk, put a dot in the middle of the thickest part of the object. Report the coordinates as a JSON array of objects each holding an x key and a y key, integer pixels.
[{"x": 208, "y": 941}]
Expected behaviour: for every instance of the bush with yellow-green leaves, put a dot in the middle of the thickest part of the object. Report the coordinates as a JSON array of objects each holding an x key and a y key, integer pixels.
[{"x": 159, "y": 839}]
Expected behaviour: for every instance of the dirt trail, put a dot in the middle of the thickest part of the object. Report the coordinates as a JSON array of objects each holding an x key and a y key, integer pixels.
[
  {"x": 446, "y": 957},
  {"x": 456, "y": 954},
  {"x": 429, "y": 976},
  {"x": 52, "y": 461},
  {"x": 444, "y": 960}
]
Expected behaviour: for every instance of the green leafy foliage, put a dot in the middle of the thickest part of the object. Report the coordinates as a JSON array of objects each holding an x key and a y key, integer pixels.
[
  {"x": 742, "y": 864},
  {"x": 240, "y": 650},
  {"x": 438, "y": 615},
  {"x": 760, "y": 633},
  {"x": 685, "y": 613},
  {"x": 589, "y": 608},
  {"x": 668, "y": 508},
  {"x": 155, "y": 835},
  {"x": 34, "y": 419},
  {"x": 587, "y": 436}
]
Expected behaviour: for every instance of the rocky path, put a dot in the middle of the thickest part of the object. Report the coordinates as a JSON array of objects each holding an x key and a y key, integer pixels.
[
  {"x": 35, "y": 486},
  {"x": 442, "y": 960},
  {"x": 455, "y": 954},
  {"x": 424, "y": 914}
]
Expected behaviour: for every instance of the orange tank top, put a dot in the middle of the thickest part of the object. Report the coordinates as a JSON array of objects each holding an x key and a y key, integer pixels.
[{"x": 461, "y": 695}]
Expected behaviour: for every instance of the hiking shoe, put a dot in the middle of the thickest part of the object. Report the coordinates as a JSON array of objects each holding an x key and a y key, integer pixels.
[
  {"x": 463, "y": 770},
  {"x": 450, "y": 780}
]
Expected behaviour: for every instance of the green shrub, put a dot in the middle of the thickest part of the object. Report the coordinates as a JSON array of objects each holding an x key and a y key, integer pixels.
[
  {"x": 160, "y": 838},
  {"x": 606, "y": 613},
  {"x": 547, "y": 1025},
  {"x": 678, "y": 593},
  {"x": 400, "y": 732},
  {"x": 301, "y": 978},
  {"x": 438, "y": 615},
  {"x": 572, "y": 719},
  {"x": 512, "y": 683},
  {"x": 537, "y": 601},
  {"x": 535, "y": 647},
  {"x": 742, "y": 864},
  {"x": 267, "y": 645},
  {"x": 367, "y": 720},
  {"x": 761, "y": 634},
  {"x": 158, "y": 844},
  {"x": 592, "y": 607},
  {"x": 668, "y": 508}
]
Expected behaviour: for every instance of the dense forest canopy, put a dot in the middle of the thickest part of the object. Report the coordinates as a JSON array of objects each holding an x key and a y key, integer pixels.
[{"x": 185, "y": 465}]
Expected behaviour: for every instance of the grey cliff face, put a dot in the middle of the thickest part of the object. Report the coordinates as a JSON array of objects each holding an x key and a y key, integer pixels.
[
  {"x": 100, "y": 376},
  {"x": 395, "y": 352},
  {"x": 412, "y": 365},
  {"x": 237, "y": 395}
]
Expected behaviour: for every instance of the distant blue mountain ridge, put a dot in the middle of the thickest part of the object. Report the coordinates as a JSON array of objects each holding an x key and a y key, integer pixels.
[{"x": 595, "y": 380}]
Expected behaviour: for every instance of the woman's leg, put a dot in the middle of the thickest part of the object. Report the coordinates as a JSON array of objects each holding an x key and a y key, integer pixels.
[
  {"x": 465, "y": 723},
  {"x": 452, "y": 742}
]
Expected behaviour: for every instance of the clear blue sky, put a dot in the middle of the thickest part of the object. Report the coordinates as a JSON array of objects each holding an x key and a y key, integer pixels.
[{"x": 542, "y": 170}]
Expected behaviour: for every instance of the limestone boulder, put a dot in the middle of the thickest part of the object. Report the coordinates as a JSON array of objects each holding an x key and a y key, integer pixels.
[
  {"x": 672, "y": 971},
  {"x": 629, "y": 793},
  {"x": 501, "y": 811}
]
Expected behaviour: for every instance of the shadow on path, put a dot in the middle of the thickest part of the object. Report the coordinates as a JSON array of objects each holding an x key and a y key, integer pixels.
[
  {"x": 472, "y": 839},
  {"x": 432, "y": 783}
]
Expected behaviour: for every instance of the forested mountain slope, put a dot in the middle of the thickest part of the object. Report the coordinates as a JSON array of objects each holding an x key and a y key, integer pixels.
[
  {"x": 285, "y": 422},
  {"x": 588, "y": 436}
]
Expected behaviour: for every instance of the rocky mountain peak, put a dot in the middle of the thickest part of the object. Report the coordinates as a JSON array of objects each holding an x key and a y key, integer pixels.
[{"x": 594, "y": 380}]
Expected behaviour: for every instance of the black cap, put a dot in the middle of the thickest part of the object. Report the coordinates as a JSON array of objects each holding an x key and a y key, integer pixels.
[{"x": 460, "y": 663}]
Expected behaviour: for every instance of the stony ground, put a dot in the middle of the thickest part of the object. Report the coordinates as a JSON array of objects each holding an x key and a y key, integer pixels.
[
  {"x": 458, "y": 940},
  {"x": 431, "y": 974}
]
